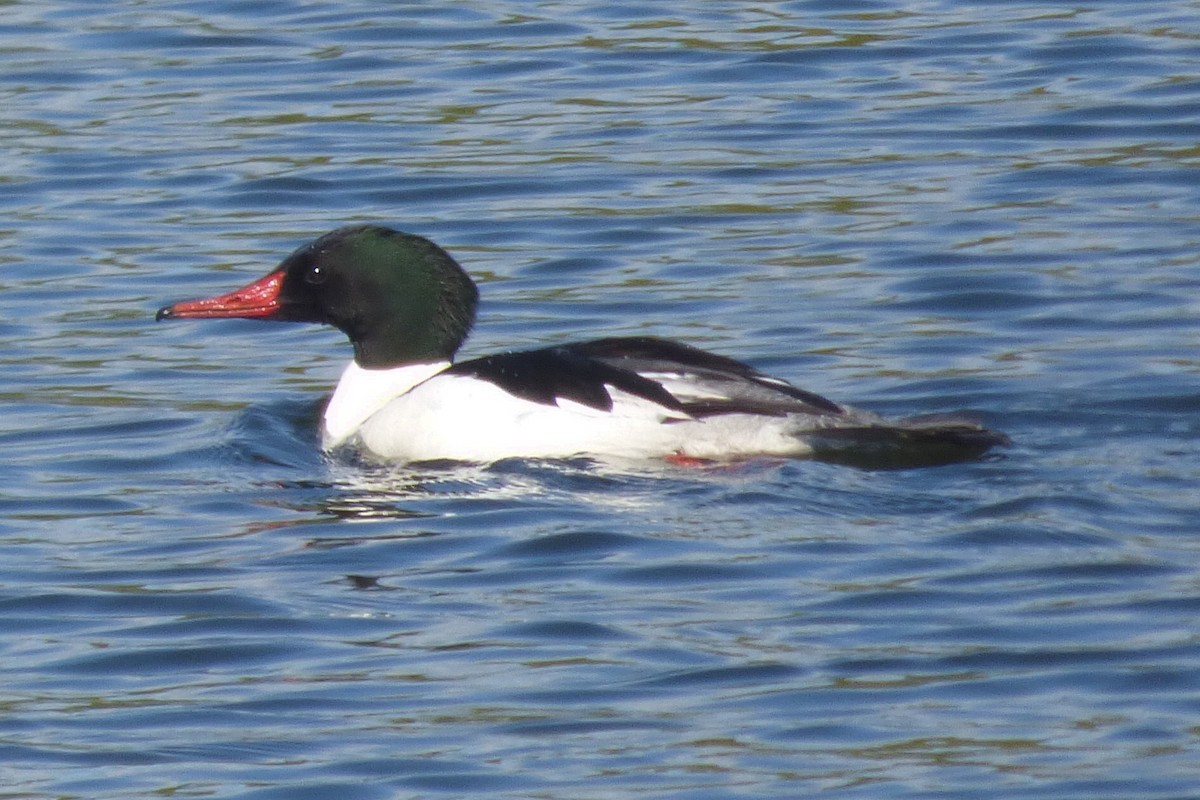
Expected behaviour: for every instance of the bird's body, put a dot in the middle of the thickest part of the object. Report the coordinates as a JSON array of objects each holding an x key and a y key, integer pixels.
[
  {"x": 633, "y": 397},
  {"x": 407, "y": 307}
]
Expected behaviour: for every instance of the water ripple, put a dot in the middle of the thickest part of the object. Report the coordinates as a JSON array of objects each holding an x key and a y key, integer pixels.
[{"x": 916, "y": 208}]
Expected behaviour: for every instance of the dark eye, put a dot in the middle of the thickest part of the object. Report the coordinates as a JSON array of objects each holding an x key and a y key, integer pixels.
[{"x": 316, "y": 274}]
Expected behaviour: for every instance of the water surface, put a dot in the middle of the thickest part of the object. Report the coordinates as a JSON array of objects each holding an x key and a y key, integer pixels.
[{"x": 914, "y": 207}]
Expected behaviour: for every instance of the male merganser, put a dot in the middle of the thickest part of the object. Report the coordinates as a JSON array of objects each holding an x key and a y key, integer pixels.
[{"x": 407, "y": 307}]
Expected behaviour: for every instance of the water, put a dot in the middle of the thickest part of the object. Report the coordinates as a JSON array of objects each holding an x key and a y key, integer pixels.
[{"x": 914, "y": 207}]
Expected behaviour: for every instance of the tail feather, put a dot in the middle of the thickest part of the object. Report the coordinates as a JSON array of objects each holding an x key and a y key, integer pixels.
[{"x": 921, "y": 441}]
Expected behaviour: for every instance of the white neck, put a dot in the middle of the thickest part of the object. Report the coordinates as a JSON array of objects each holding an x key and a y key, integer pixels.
[{"x": 361, "y": 392}]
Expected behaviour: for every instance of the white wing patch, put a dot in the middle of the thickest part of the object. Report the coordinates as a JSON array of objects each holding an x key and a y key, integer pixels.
[{"x": 685, "y": 387}]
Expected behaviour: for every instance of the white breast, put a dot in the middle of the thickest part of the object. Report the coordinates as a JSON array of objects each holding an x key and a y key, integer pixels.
[{"x": 362, "y": 392}]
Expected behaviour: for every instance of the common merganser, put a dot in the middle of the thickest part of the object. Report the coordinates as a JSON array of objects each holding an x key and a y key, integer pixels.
[{"x": 407, "y": 306}]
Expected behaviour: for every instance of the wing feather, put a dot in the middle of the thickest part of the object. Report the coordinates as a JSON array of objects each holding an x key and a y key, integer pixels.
[{"x": 676, "y": 376}]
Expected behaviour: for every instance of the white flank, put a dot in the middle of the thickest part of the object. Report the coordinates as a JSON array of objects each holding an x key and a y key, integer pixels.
[
  {"x": 460, "y": 418},
  {"x": 412, "y": 413}
]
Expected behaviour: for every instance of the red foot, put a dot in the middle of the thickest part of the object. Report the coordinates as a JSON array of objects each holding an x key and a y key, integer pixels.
[{"x": 680, "y": 460}]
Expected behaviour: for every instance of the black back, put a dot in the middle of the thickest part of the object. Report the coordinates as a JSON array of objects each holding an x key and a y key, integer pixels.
[{"x": 584, "y": 373}]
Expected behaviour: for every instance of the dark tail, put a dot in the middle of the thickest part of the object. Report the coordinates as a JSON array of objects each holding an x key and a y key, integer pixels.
[{"x": 923, "y": 441}]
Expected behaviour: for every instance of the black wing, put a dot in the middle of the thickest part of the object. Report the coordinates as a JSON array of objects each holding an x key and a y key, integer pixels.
[{"x": 701, "y": 383}]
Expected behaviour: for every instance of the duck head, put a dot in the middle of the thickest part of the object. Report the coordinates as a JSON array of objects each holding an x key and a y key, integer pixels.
[{"x": 400, "y": 298}]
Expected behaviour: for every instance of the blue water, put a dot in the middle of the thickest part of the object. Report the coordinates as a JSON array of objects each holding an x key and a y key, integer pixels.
[{"x": 914, "y": 207}]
